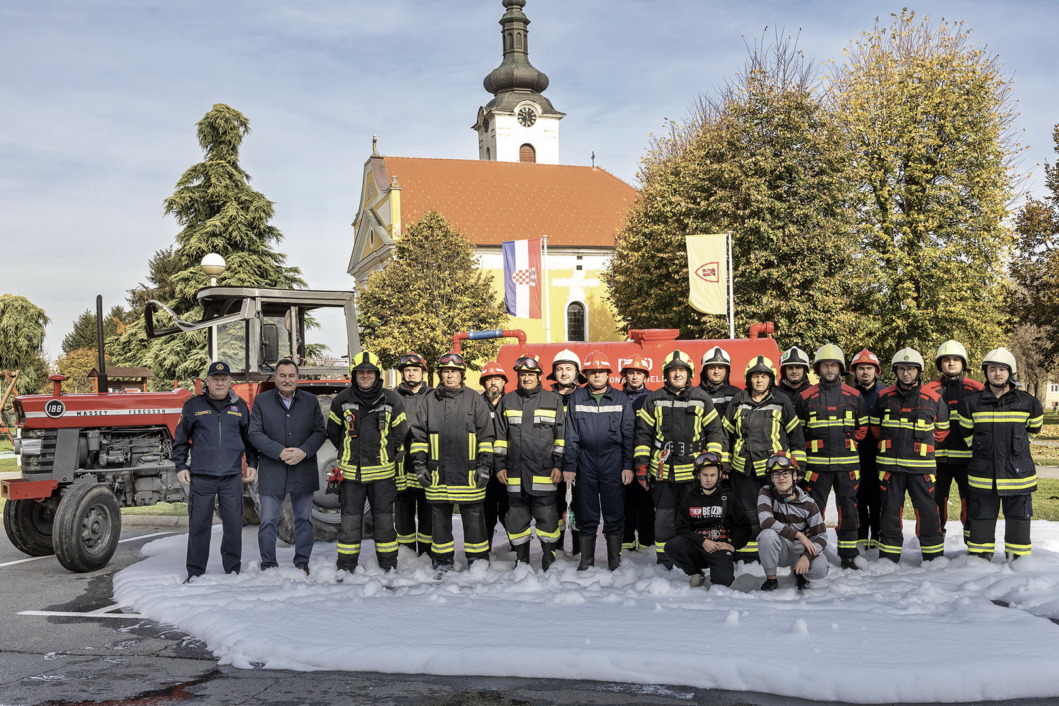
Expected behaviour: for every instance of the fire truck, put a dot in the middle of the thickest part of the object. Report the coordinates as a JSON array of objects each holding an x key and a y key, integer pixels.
[{"x": 85, "y": 456}]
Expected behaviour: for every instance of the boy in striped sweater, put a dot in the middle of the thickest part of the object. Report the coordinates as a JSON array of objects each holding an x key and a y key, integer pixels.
[{"x": 792, "y": 527}]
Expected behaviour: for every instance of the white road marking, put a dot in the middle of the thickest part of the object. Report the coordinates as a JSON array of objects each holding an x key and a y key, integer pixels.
[
  {"x": 68, "y": 614},
  {"x": 49, "y": 556}
]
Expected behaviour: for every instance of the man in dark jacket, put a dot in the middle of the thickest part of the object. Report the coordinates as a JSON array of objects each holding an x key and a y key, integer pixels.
[
  {"x": 529, "y": 447},
  {"x": 998, "y": 423},
  {"x": 213, "y": 432},
  {"x": 367, "y": 425},
  {"x": 866, "y": 370},
  {"x": 411, "y": 505},
  {"x": 600, "y": 430},
  {"x": 794, "y": 372},
  {"x": 287, "y": 429},
  {"x": 493, "y": 380},
  {"x": 711, "y": 526},
  {"x": 452, "y": 449},
  {"x": 639, "y": 507}
]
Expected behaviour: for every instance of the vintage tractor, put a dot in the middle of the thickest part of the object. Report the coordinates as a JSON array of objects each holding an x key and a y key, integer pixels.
[{"x": 84, "y": 456}]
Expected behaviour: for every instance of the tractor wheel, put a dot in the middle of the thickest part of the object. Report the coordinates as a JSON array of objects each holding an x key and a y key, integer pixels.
[
  {"x": 29, "y": 524},
  {"x": 87, "y": 527}
]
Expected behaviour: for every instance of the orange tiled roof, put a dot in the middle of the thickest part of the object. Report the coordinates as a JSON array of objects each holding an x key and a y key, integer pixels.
[{"x": 490, "y": 202}]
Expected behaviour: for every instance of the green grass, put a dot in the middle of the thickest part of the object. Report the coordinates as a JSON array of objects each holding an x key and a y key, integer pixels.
[
  {"x": 1045, "y": 502},
  {"x": 7, "y": 463}
]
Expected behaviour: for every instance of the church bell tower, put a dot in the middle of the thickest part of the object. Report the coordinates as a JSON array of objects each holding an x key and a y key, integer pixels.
[{"x": 518, "y": 124}]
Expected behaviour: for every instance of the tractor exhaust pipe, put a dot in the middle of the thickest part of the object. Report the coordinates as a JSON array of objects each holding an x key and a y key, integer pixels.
[{"x": 102, "y": 384}]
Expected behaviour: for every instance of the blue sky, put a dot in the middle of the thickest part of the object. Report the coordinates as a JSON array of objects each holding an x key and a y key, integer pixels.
[{"x": 99, "y": 99}]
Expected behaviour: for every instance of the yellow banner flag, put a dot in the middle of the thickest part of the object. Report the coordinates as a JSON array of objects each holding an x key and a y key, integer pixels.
[{"x": 708, "y": 273}]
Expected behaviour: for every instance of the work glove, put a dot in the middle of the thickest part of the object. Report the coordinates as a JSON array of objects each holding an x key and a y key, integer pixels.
[
  {"x": 483, "y": 476},
  {"x": 642, "y": 477},
  {"x": 423, "y": 475}
]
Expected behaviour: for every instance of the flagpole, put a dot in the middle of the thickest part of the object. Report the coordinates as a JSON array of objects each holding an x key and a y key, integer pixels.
[
  {"x": 544, "y": 281},
  {"x": 731, "y": 288}
]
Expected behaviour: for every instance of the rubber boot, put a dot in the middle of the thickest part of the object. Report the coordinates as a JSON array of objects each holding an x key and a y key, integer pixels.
[
  {"x": 613, "y": 551},
  {"x": 522, "y": 553},
  {"x": 547, "y": 555},
  {"x": 588, "y": 551}
]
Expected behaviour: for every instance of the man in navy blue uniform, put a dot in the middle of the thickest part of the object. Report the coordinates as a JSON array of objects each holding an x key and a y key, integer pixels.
[
  {"x": 287, "y": 429},
  {"x": 600, "y": 430},
  {"x": 208, "y": 450}
]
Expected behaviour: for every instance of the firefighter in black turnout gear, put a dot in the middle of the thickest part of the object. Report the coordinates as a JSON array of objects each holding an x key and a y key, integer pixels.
[
  {"x": 711, "y": 526},
  {"x": 794, "y": 372},
  {"x": 493, "y": 380},
  {"x": 529, "y": 454},
  {"x": 835, "y": 422},
  {"x": 760, "y": 423},
  {"x": 866, "y": 370},
  {"x": 411, "y": 511},
  {"x": 998, "y": 423},
  {"x": 675, "y": 425},
  {"x": 452, "y": 453},
  {"x": 953, "y": 454},
  {"x": 367, "y": 426}
]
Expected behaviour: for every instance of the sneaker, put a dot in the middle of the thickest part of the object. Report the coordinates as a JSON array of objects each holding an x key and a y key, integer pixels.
[
  {"x": 849, "y": 562},
  {"x": 770, "y": 585},
  {"x": 803, "y": 583},
  {"x": 304, "y": 568},
  {"x": 696, "y": 580}
]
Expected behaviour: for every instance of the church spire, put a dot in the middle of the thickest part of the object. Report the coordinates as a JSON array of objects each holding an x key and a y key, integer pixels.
[{"x": 515, "y": 71}]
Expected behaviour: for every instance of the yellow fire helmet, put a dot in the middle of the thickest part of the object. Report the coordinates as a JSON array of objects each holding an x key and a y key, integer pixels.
[
  {"x": 760, "y": 364},
  {"x": 365, "y": 361},
  {"x": 677, "y": 359},
  {"x": 829, "y": 352}
]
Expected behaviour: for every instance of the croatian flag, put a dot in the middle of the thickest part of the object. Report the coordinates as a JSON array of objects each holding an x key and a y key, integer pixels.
[{"x": 522, "y": 278}]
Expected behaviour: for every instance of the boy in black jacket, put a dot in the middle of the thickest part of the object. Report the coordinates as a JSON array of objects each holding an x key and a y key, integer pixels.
[{"x": 710, "y": 526}]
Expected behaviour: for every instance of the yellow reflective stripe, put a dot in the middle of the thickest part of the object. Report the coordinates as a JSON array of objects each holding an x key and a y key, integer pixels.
[
  {"x": 348, "y": 548},
  {"x": 889, "y": 548},
  {"x": 1019, "y": 549},
  {"x": 475, "y": 547},
  {"x": 642, "y": 414},
  {"x": 985, "y": 547},
  {"x": 548, "y": 535},
  {"x": 910, "y": 462},
  {"x": 544, "y": 412},
  {"x": 515, "y": 536},
  {"x": 932, "y": 548},
  {"x": 1009, "y": 416},
  {"x": 484, "y": 447},
  {"x": 385, "y": 547},
  {"x": 446, "y": 548},
  {"x": 714, "y": 446},
  {"x": 420, "y": 447},
  {"x": 334, "y": 418},
  {"x": 402, "y": 417},
  {"x": 435, "y": 445}
]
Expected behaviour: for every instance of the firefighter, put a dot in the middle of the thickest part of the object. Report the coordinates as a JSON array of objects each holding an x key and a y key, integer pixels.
[
  {"x": 675, "y": 425},
  {"x": 866, "y": 370},
  {"x": 954, "y": 454},
  {"x": 411, "y": 505},
  {"x": 493, "y": 379},
  {"x": 794, "y": 372},
  {"x": 639, "y": 508},
  {"x": 566, "y": 374},
  {"x": 452, "y": 453},
  {"x": 530, "y": 425},
  {"x": 792, "y": 527},
  {"x": 998, "y": 423},
  {"x": 835, "y": 422},
  {"x": 713, "y": 378},
  {"x": 367, "y": 426},
  {"x": 759, "y": 424},
  {"x": 711, "y": 526},
  {"x": 909, "y": 421},
  {"x": 600, "y": 430}
]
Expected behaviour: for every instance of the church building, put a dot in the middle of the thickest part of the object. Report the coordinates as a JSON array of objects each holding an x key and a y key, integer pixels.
[{"x": 515, "y": 190}]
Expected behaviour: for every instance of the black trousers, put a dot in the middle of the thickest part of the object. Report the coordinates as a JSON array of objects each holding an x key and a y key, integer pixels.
[
  {"x": 691, "y": 558},
  {"x": 203, "y": 491},
  {"x": 746, "y": 489},
  {"x": 639, "y": 517},
  {"x": 496, "y": 506},
  {"x": 667, "y": 495},
  {"x": 983, "y": 509},
  {"x": 541, "y": 508},
  {"x": 869, "y": 506},
  {"x": 947, "y": 473},
  {"x": 920, "y": 489},
  {"x": 411, "y": 505},
  {"x": 845, "y": 484},
  {"x": 475, "y": 541},
  {"x": 381, "y": 494}
]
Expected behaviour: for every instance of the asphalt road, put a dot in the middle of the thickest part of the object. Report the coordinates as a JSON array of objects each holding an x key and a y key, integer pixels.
[{"x": 62, "y": 642}]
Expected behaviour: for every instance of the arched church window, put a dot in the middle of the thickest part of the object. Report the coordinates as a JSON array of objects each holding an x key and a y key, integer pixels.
[{"x": 575, "y": 322}]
